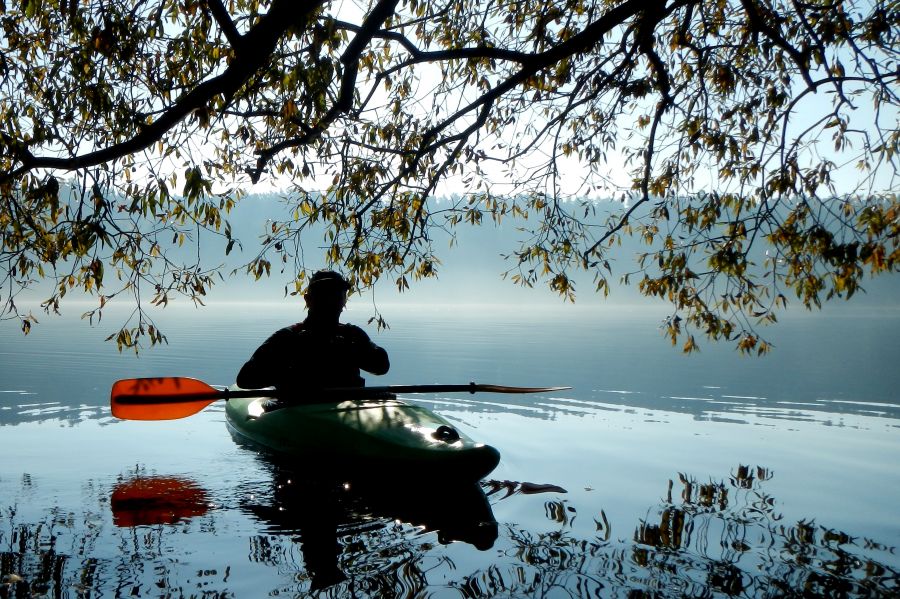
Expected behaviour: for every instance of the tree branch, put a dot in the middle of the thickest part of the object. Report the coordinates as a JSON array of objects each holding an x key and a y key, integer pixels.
[
  {"x": 760, "y": 22},
  {"x": 220, "y": 14},
  {"x": 344, "y": 102},
  {"x": 255, "y": 50},
  {"x": 580, "y": 42},
  {"x": 441, "y": 55}
]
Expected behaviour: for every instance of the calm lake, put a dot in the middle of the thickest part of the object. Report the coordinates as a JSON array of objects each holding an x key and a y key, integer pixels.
[{"x": 656, "y": 475}]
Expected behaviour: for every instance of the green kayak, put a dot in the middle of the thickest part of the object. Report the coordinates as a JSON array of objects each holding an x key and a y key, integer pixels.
[{"x": 377, "y": 436}]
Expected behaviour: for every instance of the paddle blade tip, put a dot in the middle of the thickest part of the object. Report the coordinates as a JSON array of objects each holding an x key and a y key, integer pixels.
[{"x": 160, "y": 398}]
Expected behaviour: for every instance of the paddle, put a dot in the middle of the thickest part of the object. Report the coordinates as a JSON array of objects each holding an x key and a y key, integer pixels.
[{"x": 171, "y": 397}]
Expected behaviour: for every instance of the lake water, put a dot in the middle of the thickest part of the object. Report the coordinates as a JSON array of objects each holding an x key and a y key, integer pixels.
[{"x": 655, "y": 475}]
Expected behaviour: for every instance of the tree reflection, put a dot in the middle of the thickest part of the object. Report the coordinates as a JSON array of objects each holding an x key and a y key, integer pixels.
[
  {"x": 297, "y": 536},
  {"x": 715, "y": 539}
]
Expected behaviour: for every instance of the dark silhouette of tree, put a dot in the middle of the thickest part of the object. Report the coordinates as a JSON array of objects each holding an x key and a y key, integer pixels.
[{"x": 753, "y": 144}]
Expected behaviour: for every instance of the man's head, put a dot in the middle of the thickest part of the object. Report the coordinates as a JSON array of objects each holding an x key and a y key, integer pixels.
[{"x": 326, "y": 294}]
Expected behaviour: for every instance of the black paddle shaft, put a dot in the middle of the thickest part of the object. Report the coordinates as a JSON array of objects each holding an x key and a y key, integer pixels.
[{"x": 149, "y": 399}]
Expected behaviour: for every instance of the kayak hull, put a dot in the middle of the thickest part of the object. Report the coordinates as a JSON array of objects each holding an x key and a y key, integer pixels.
[{"x": 377, "y": 436}]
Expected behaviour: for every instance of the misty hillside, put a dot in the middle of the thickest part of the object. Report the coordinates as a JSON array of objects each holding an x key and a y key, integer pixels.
[
  {"x": 471, "y": 269},
  {"x": 472, "y": 265}
]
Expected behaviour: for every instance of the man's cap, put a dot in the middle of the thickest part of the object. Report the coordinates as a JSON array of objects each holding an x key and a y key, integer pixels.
[{"x": 327, "y": 280}]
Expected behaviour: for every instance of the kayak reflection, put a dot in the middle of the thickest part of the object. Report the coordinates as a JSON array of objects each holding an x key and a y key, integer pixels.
[
  {"x": 149, "y": 500},
  {"x": 328, "y": 515}
]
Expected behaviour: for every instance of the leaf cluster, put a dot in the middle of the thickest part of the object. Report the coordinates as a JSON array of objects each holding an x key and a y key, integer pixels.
[{"x": 753, "y": 143}]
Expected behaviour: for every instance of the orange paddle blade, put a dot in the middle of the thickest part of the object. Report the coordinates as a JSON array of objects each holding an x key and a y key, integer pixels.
[{"x": 161, "y": 398}]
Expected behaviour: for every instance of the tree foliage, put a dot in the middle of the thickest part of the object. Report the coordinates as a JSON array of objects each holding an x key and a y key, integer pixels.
[{"x": 752, "y": 143}]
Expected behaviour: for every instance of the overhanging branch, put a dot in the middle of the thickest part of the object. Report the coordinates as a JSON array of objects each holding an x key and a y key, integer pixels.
[
  {"x": 534, "y": 64},
  {"x": 252, "y": 53}
]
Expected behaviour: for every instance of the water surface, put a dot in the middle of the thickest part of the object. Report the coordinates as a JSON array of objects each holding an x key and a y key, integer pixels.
[{"x": 714, "y": 474}]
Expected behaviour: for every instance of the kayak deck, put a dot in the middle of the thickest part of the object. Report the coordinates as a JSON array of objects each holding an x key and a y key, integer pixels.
[{"x": 388, "y": 434}]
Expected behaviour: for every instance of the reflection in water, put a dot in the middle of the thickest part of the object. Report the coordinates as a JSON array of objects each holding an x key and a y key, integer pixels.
[
  {"x": 718, "y": 538},
  {"x": 711, "y": 405},
  {"x": 148, "y": 500},
  {"x": 18, "y": 407},
  {"x": 338, "y": 522},
  {"x": 714, "y": 538}
]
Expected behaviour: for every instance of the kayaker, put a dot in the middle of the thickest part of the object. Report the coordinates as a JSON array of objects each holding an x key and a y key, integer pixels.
[{"x": 319, "y": 352}]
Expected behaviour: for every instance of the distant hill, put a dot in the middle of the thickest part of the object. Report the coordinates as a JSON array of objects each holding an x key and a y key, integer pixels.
[
  {"x": 471, "y": 268},
  {"x": 471, "y": 271}
]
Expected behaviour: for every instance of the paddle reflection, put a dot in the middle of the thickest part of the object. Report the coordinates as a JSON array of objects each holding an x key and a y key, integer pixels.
[{"x": 150, "y": 500}]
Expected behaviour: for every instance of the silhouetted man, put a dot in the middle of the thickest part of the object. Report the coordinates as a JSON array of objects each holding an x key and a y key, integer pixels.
[{"x": 318, "y": 352}]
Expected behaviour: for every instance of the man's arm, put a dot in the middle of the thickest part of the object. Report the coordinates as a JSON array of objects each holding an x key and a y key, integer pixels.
[
  {"x": 266, "y": 367},
  {"x": 366, "y": 354}
]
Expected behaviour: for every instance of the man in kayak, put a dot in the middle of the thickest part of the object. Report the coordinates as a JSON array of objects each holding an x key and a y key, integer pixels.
[{"x": 318, "y": 352}]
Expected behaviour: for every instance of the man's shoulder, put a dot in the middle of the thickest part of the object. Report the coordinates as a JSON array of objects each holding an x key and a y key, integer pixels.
[
  {"x": 346, "y": 329},
  {"x": 293, "y": 328},
  {"x": 286, "y": 334}
]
